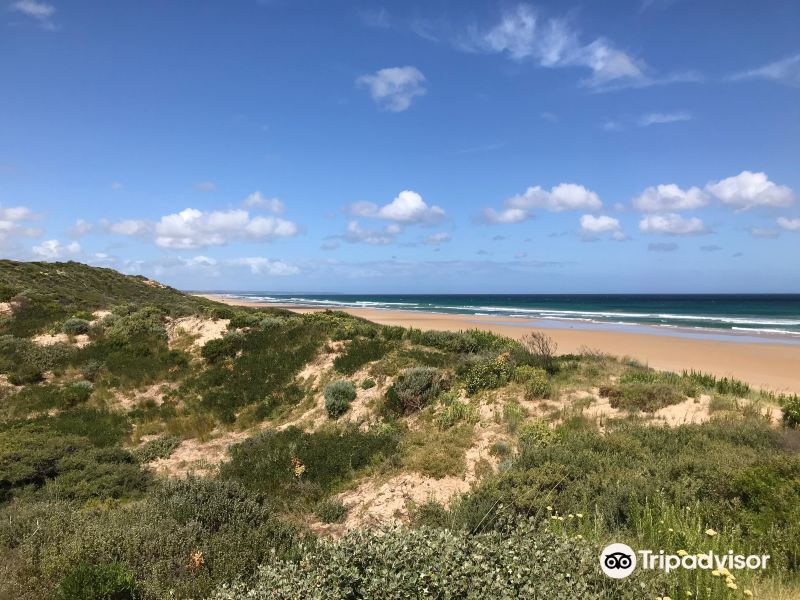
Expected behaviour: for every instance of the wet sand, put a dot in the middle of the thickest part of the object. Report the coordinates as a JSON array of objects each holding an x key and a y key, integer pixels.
[{"x": 772, "y": 366}]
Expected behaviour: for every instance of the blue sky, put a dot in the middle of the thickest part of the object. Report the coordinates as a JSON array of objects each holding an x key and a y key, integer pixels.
[{"x": 431, "y": 146}]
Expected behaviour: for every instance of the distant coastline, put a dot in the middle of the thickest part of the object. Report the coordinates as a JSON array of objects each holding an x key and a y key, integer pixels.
[{"x": 763, "y": 360}]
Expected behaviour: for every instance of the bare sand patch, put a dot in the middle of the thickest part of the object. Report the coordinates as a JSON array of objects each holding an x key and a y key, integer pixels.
[
  {"x": 49, "y": 339},
  {"x": 194, "y": 457},
  {"x": 201, "y": 330}
]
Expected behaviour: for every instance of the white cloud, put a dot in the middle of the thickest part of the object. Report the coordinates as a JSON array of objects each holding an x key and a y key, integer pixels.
[
  {"x": 192, "y": 228},
  {"x": 553, "y": 43},
  {"x": 562, "y": 197},
  {"x": 789, "y": 224},
  {"x": 34, "y": 9},
  {"x": 130, "y": 227},
  {"x": 438, "y": 238},
  {"x": 12, "y": 222},
  {"x": 357, "y": 234},
  {"x": 786, "y": 71},
  {"x": 205, "y": 186},
  {"x": 670, "y": 197},
  {"x": 394, "y": 88},
  {"x": 264, "y": 266},
  {"x": 659, "y": 118},
  {"x": 258, "y": 200},
  {"x": 671, "y": 224},
  {"x": 81, "y": 228},
  {"x": 54, "y": 250},
  {"x": 407, "y": 208},
  {"x": 764, "y": 233},
  {"x": 749, "y": 190},
  {"x": 592, "y": 227}
]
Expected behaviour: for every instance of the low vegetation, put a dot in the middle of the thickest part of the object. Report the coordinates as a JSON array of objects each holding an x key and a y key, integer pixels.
[{"x": 134, "y": 466}]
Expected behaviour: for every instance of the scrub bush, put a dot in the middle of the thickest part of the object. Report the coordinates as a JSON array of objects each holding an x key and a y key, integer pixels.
[
  {"x": 338, "y": 396},
  {"x": 415, "y": 388},
  {"x": 75, "y": 326}
]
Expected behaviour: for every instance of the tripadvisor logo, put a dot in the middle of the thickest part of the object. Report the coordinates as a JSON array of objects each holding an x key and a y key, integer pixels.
[{"x": 620, "y": 560}]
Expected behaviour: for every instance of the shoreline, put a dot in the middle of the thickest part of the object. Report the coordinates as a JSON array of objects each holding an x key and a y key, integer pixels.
[{"x": 770, "y": 366}]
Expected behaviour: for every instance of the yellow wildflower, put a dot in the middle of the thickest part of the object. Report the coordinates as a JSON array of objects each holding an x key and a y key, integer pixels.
[
  {"x": 748, "y": 593},
  {"x": 732, "y": 585},
  {"x": 715, "y": 573},
  {"x": 682, "y": 553},
  {"x": 710, "y": 532},
  {"x": 550, "y": 508},
  {"x": 579, "y": 515}
]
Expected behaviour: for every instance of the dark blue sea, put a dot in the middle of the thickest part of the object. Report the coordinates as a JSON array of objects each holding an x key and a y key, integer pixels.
[{"x": 755, "y": 314}]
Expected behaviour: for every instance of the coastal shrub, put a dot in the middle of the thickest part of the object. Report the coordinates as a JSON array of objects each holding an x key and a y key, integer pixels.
[
  {"x": 257, "y": 367},
  {"x": 536, "y": 434},
  {"x": 368, "y": 383},
  {"x": 331, "y": 510},
  {"x": 289, "y": 465},
  {"x": 25, "y": 374},
  {"x": 338, "y": 396},
  {"x": 514, "y": 414},
  {"x": 646, "y": 397},
  {"x": 473, "y": 341},
  {"x": 358, "y": 353},
  {"x": 487, "y": 374},
  {"x": 161, "y": 447},
  {"x": 37, "y": 398},
  {"x": 75, "y": 326},
  {"x": 455, "y": 411},
  {"x": 541, "y": 349},
  {"x": 535, "y": 381},
  {"x": 98, "y": 582},
  {"x": 526, "y": 561},
  {"x": 91, "y": 369},
  {"x": 791, "y": 411},
  {"x": 415, "y": 388}
]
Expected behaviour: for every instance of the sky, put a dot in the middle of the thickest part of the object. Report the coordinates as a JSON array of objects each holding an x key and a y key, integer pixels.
[{"x": 432, "y": 146}]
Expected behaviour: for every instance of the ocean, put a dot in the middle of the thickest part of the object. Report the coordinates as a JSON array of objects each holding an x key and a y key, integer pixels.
[{"x": 752, "y": 314}]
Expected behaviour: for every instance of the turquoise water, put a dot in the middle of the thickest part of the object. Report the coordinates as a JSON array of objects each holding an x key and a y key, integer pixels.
[{"x": 750, "y": 314}]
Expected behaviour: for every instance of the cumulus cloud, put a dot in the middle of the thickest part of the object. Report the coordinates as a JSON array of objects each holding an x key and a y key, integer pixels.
[
  {"x": 264, "y": 266},
  {"x": 355, "y": 233},
  {"x": 789, "y": 224},
  {"x": 438, "y": 238},
  {"x": 407, "y": 208},
  {"x": 130, "y": 227},
  {"x": 593, "y": 227},
  {"x": 670, "y": 197},
  {"x": 80, "y": 228},
  {"x": 13, "y": 222},
  {"x": 671, "y": 224},
  {"x": 660, "y": 118},
  {"x": 258, "y": 200},
  {"x": 563, "y": 197},
  {"x": 54, "y": 250},
  {"x": 750, "y": 190},
  {"x": 394, "y": 88},
  {"x": 785, "y": 71}
]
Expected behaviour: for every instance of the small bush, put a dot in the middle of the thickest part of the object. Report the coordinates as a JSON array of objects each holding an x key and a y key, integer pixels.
[
  {"x": 338, "y": 396},
  {"x": 414, "y": 388},
  {"x": 91, "y": 369},
  {"x": 536, "y": 382},
  {"x": 514, "y": 414},
  {"x": 26, "y": 374},
  {"x": 359, "y": 352},
  {"x": 161, "y": 447},
  {"x": 75, "y": 326},
  {"x": 98, "y": 582},
  {"x": 457, "y": 412},
  {"x": 791, "y": 411},
  {"x": 368, "y": 384},
  {"x": 487, "y": 375},
  {"x": 537, "y": 434},
  {"x": 647, "y": 397},
  {"x": 331, "y": 510}
]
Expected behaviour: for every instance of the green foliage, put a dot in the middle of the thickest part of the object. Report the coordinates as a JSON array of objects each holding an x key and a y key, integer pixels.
[
  {"x": 647, "y": 397},
  {"x": 255, "y": 367},
  {"x": 536, "y": 434},
  {"x": 75, "y": 326},
  {"x": 359, "y": 352},
  {"x": 413, "y": 389},
  {"x": 455, "y": 411},
  {"x": 25, "y": 374},
  {"x": 161, "y": 447},
  {"x": 791, "y": 411},
  {"x": 338, "y": 396},
  {"x": 232, "y": 528},
  {"x": 38, "y": 398},
  {"x": 535, "y": 381},
  {"x": 329, "y": 457},
  {"x": 331, "y": 510},
  {"x": 523, "y": 562},
  {"x": 487, "y": 374},
  {"x": 368, "y": 383},
  {"x": 514, "y": 414},
  {"x": 473, "y": 341},
  {"x": 98, "y": 582}
]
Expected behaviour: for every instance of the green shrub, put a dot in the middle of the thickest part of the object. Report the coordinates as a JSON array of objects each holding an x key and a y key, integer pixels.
[
  {"x": 338, "y": 396},
  {"x": 161, "y": 447},
  {"x": 75, "y": 326},
  {"x": 514, "y": 414},
  {"x": 265, "y": 462},
  {"x": 791, "y": 411},
  {"x": 26, "y": 374},
  {"x": 91, "y": 369},
  {"x": 487, "y": 375},
  {"x": 359, "y": 352},
  {"x": 331, "y": 510},
  {"x": 647, "y": 397},
  {"x": 535, "y": 381},
  {"x": 536, "y": 434},
  {"x": 524, "y": 562},
  {"x": 455, "y": 412},
  {"x": 98, "y": 582},
  {"x": 415, "y": 388},
  {"x": 368, "y": 384}
]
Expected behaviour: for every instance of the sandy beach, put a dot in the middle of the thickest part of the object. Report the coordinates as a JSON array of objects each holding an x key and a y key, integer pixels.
[{"x": 771, "y": 366}]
